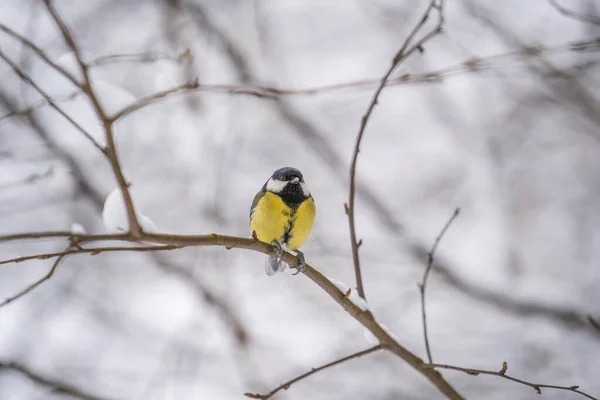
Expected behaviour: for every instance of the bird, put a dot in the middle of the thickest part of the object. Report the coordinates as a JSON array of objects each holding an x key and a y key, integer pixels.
[{"x": 282, "y": 214}]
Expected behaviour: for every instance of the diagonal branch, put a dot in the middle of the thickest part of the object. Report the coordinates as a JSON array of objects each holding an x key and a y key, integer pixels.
[
  {"x": 107, "y": 123},
  {"x": 289, "y": 383},
  {"x": 57, "y": 387},
  {"x": 168, "y": 242},
  {"x": 502, "y": 374},
  {"x": 423, "y": 284},
  {"x": 48, "y": 99},
  {"x": 36, "y": 283},
  {"x": 405, "y": 51}
]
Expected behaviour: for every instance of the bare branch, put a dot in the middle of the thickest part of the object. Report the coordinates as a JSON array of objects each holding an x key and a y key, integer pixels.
[
  {"x": 588, "y": 19},
  {"x": 91, "y": 251},
  {"x": 36, "y": 283},
  {"x": 110, "y": 150},
  {"x": 502, "y": 374},
  {"x": 40, "y": 54},
  {"x": 57, "y": 387},
  {"x": 51, "y": 102},
  {"x": 423, "y": 284},
  {"x": 143, "y": 102},
  {"x": 401, "y": 55},
  {"x": 287, "y": 385},
  {"x": 270, "y": 92},
  {"x": 169, "y": 242}
]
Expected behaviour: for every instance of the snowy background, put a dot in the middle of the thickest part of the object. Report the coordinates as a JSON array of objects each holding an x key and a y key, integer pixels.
[{"x": 516, "y": 146}]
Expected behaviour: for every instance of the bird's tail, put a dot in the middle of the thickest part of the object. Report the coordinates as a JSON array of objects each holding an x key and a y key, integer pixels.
[{"x": 272, "y": 265}]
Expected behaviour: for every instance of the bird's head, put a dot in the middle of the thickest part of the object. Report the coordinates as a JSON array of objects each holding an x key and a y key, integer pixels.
[{"x": 287, "y": 179}]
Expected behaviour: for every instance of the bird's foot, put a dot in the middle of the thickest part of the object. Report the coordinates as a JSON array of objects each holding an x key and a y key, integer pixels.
[
  {"x": 301, "y": 262},
  {"x": 279, "y": 250}
]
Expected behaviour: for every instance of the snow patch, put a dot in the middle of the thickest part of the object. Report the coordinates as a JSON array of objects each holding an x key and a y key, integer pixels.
[
  {"x": 114, "y": 215},
  {"x": 369, "y": 337},
  {"x": 77, "y": 229}
]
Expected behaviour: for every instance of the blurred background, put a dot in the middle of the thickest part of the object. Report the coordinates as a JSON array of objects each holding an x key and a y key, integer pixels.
[{"x": 498, "y": 116}]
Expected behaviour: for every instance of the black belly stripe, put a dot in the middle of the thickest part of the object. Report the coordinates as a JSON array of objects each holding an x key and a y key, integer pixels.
[{"x": 287, "y": 236}]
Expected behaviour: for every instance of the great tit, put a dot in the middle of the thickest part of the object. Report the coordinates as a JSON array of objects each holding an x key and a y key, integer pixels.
[{"x": 283, "y": 213}]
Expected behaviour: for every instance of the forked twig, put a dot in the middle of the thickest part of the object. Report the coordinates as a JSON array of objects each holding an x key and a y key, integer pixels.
[
  {"x": 110, "y": 151},
  {"x": 401, "y": 55}
]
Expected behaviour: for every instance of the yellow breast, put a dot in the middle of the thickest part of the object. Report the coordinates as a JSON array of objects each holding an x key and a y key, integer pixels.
[{"x": 272, "y": 220}]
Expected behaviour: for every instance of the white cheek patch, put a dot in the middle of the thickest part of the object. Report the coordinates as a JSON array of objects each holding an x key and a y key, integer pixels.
[
  {"x": 275, "y": 185},
  {"x": 305, "y": 190}
]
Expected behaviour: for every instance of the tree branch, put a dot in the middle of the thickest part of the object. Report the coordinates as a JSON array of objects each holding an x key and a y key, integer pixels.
[
  {"x": 110, "y": 151},
  {"x": 401, "y": 55},
  {"x": 36, "y": 283},
  {"x": 56, "y": 386},
  {"x": 289, "y": 383},
  {"x": 270, "y": 92},
  {"x": 169, "y": 242},
  {"x": 423, "y": 284},
  {"x": 502, "y": 374},
  {"x": 91, "y": 251}
]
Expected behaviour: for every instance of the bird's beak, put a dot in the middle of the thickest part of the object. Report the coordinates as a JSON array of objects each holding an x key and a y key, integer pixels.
[{"x": 295, "y": 180}]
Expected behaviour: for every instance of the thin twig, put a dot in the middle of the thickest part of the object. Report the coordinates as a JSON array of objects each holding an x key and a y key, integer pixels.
[
  {"x": 57, "y": 387},
  {"x": 51, "y": 102},
  {"x": 502, "y": 374},
  {"x": 401, "y": 55},
  {"x": 110, "y": 151},
  {"x": 91, "y": 251},
  {"x": 270, "y": 92},
  {"x": 423, "y": 284},
  {"x": 40, "y": 54},
  {"x": 143, "y": 102},
  {"x": 289, "y": 383},
  {"x": 36, "y": 283}
]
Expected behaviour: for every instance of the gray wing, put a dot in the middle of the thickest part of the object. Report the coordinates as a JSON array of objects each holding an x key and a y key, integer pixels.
[{"x": 257, "y": 198}]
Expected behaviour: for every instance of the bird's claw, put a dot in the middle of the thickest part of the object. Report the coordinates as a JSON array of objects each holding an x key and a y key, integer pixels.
[
  {"x": 279, "y": 250},
  {"x": 301, "y": 262}
]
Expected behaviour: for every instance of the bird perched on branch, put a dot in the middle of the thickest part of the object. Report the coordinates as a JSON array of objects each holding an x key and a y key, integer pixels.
[{"x": 283, "y": 213}]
